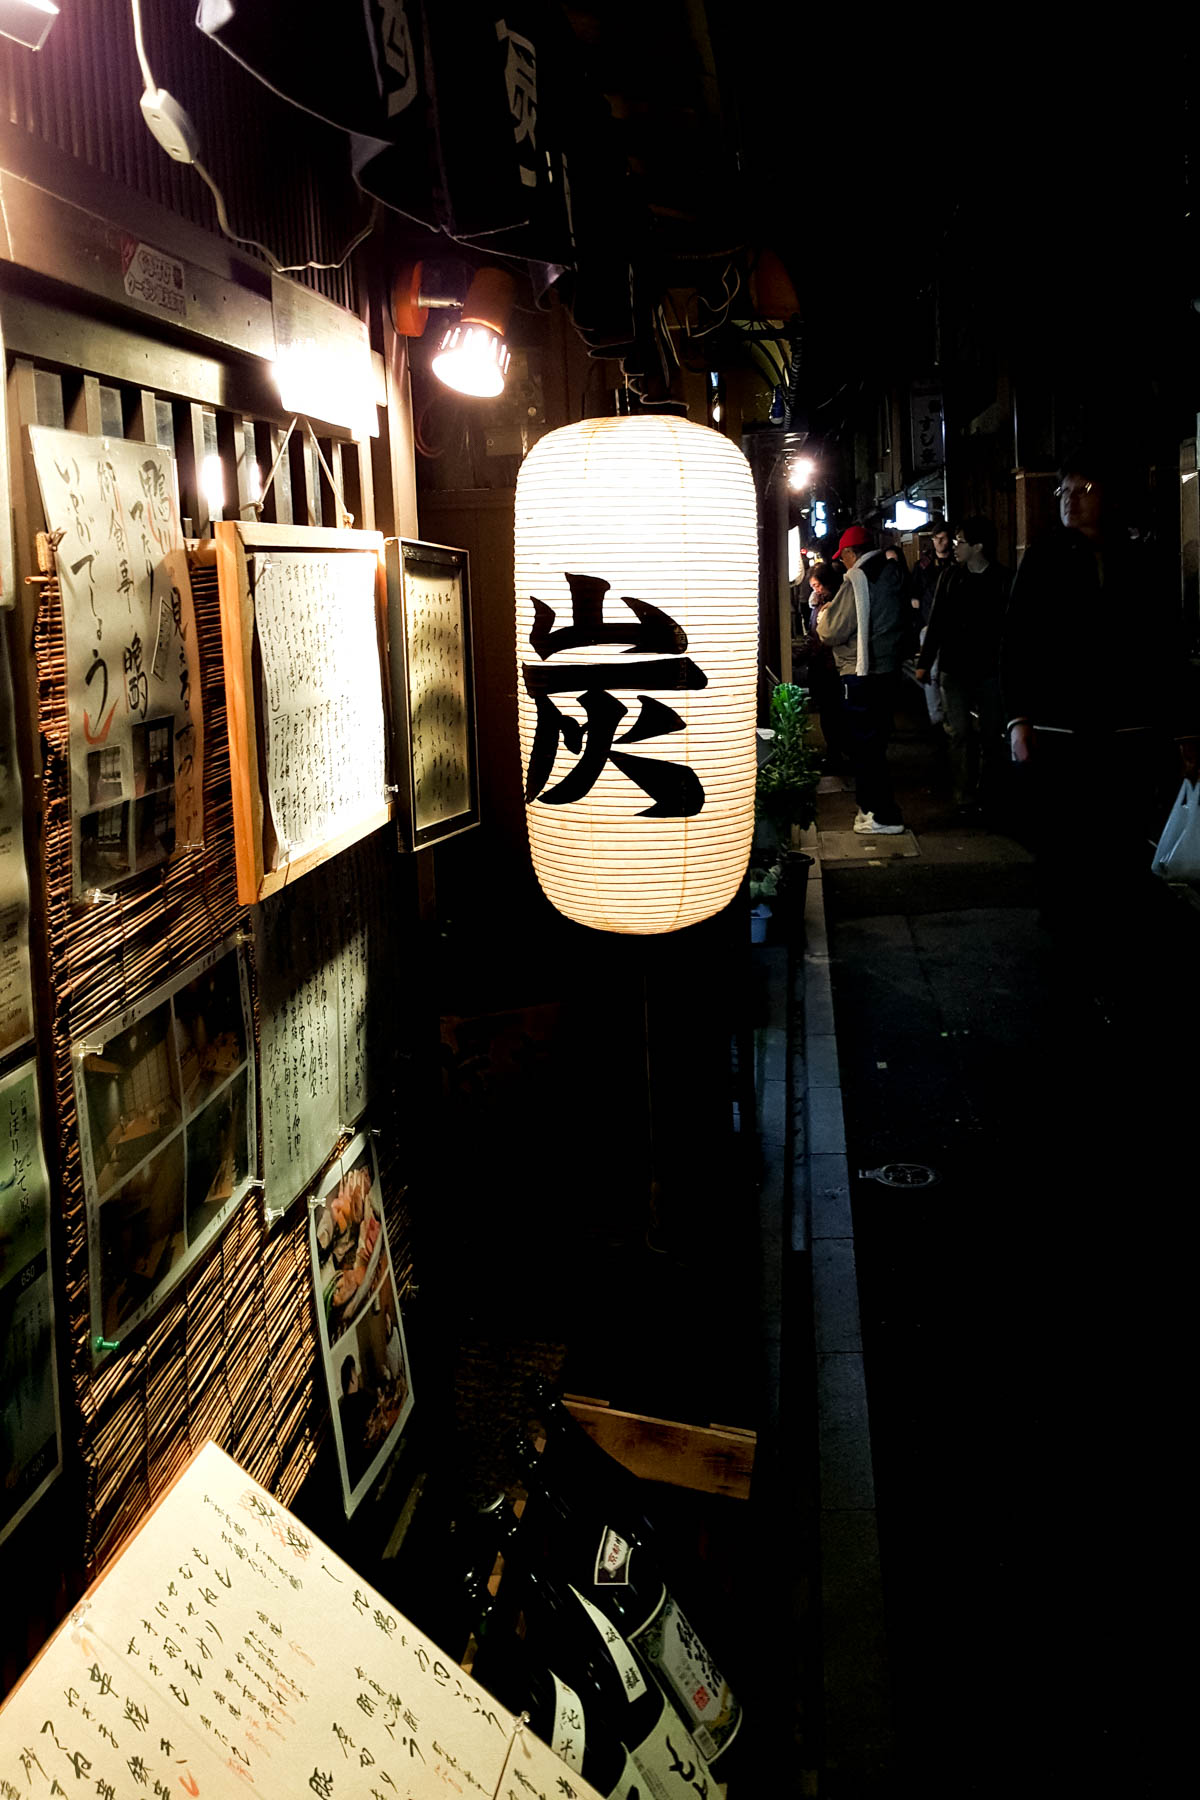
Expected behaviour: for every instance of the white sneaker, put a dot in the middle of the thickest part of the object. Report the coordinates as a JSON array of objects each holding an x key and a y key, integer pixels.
[
  {"x": 872, "y": 827},
  {"x": 863, "y": 821}
]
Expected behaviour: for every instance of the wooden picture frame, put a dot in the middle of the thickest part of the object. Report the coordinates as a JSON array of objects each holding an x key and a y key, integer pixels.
[
  {"x": 435, "y": 768},
  {"x": 235, "y": 541}
]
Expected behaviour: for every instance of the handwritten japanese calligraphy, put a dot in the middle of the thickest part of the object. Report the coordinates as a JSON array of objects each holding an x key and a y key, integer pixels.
[
  {"x": 438, "y": 694},
  {"x": 322, "y": 716},
  {"x": 305, "y": 1691},
  {"x": 673, "y": 788},
  {"x": 327, "y": 978},
  {"x": 132, "y": 667}
]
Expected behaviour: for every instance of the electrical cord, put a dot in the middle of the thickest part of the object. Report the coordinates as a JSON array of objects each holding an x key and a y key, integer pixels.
[
  {"x": 277, "y": 266},
  {"x": 187, "y": 154},
  {"x": 731, "y": 295},
  {"x": 139, "y": 45}
]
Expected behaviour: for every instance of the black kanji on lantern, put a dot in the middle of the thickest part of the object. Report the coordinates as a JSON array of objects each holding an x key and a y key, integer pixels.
[{"x": 675, "y": 790}]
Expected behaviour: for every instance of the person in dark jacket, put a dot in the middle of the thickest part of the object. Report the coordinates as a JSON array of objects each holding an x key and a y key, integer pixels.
[
  {"x": 962, "y": 639},
  {"x": 934, "y": 562},
  {"x": 1094, "y": 687},
  {"x": 933, "y": 565}
]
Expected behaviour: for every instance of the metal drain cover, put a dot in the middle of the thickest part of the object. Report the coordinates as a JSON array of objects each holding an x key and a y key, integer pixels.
[{"x": 901, "y": 1175}]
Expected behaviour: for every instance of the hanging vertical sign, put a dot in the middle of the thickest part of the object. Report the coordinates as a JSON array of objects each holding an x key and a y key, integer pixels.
[
  {"x": 928, "y": 430},
  {"x": 637, "y": 638},
  {"x": 133, "y": 673}
]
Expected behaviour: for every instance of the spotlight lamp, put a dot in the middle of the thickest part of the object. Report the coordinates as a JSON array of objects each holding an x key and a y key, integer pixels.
[
  {"x": 27, "y": 22},
  {"x": 472, "y": 357},
  {"x": 801, "y": 470}
]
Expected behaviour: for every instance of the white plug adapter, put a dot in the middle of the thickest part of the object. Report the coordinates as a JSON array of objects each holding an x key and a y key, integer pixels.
[{"x": 170, "y": 125}]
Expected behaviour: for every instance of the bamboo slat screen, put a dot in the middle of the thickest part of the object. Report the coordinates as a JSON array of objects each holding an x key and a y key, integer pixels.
[
  {"x": 285, "y": 175},
  {"x": 232, "y": 1354}
]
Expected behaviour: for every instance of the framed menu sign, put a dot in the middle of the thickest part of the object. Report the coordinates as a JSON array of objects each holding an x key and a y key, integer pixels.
[
  {"x": 300, "y": 610},
  {"x": 228, "y": 1652},
  {"x": 434, "y": 757},
  {"x": 133, "y": 672}
]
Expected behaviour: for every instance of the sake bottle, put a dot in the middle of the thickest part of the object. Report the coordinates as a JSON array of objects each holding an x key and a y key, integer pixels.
[
  {"x": 590, "y": 1510},
  {"x": 568, "y": 1721},
  {"x": 569, "y": 1635}
]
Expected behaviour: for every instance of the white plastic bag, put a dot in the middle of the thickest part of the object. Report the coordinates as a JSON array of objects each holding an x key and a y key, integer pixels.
[
  {"x": 1177, "y": 857},
  {"x": 1176, "y": 820}
]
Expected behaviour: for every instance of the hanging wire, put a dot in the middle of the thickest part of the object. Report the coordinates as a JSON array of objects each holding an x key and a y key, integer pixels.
[
  {"x": 256, "y": 244},
  {"x": 731, "y": 295},
  {"x": 139, "y": 44},
  {"x": 432, "y": 451}
]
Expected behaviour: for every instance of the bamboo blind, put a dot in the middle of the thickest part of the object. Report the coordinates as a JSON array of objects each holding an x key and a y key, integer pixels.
[{"x": 232, "y": 1354}]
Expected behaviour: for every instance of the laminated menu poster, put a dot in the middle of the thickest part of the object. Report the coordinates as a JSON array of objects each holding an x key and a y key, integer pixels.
[
  {"x": 30, "y": 1437},
  {"x": 167, "y": 1135},
  {"x": 322, "y": 947},
  {"x": 362, "y": 1333},
  {"x": 133, "y": 682},
  {"x": 439, "y": 693},
  {"x": 228, "y": 1652},
  {"x": 322, "y": 714},
  {"x": 16, "y": 990}
]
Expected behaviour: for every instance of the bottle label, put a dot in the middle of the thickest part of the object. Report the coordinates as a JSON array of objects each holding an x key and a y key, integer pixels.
[
  {"x": 624, "y": 1660},
  {"x": 630, "y": 1785},
  {"x": 612, "y": 1561},
  {"x": 683, "y": 1666},
  {"x": 614, "y": 1568},
  {"x": 668, "y": 1761},
  {"x": 569, "y": 1732}
]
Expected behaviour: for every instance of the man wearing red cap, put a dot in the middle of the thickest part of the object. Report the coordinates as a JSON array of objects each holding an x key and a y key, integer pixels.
[{"x": 864, "y": 626}]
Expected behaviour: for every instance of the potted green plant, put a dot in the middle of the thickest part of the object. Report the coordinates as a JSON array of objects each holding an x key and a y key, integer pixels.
[{"x": 785, "y": 795}]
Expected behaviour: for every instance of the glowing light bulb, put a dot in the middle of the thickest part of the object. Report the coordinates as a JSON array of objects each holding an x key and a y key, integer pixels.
[
  {"x": 212, "y": 482},
  {"x": 472, "y": 360}
]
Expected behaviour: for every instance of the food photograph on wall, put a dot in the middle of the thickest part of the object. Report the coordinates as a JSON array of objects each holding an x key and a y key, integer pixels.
[
  {"x": 362, "y": 1333},
  {"x": 168, "y": 1136}
]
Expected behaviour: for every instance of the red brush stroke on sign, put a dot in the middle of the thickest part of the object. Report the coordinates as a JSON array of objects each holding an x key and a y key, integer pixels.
[{"x": 105, "y": 729}]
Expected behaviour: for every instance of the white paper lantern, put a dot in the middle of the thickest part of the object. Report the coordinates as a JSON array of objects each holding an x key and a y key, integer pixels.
[{"x": 637, "y": 637}]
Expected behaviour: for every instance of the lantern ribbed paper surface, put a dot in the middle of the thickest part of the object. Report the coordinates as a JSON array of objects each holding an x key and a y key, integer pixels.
[{"x": 637, "y": 638}]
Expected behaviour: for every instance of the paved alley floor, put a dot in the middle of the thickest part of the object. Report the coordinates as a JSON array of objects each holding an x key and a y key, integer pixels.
[{"x": 1025, "y": 1315}]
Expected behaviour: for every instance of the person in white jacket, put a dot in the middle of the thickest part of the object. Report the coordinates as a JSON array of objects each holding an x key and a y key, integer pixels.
[{"x": 864, "y": 627}]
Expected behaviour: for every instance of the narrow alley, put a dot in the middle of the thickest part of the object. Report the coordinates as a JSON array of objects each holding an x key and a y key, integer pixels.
[{"x": 1017, "y": 1124}]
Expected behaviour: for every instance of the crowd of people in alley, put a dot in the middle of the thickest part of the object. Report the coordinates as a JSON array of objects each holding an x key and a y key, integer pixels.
[{"x": 1062, "y": 694}]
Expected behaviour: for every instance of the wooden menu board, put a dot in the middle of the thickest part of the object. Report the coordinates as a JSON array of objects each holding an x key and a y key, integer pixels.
[
  {"x": 300, "y": 628},
  {"x": 227, "y": 1651}
]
